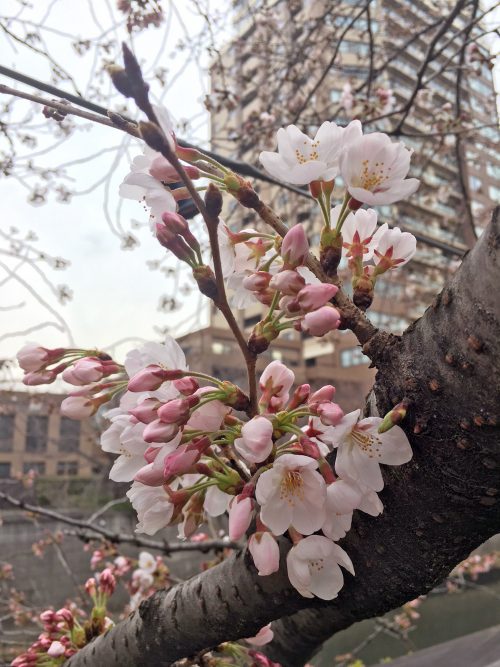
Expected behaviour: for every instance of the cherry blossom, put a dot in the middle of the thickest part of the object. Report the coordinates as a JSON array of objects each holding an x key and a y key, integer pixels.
[
  {"x": 393, "y": 248},
  {"x": 313, "y": 567},
  {"x": 359, "y": 232},
  {"x": 292, "y": 493},
  {"x": 275, "y": 383},
  {"x": 361, "y": 448},
  {"x": 374, "y": 170},
  {"x": 256, "y": 442},
  {"x": 342, "y": 498},
  {"x": 301, "y": 160},
  {"x": 154, "y": 510}
]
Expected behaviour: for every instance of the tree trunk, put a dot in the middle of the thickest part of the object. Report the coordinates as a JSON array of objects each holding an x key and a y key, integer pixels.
[{"x": 438, "y": 507}]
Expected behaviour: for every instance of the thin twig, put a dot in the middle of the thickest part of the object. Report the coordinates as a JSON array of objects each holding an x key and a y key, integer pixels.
[{"x": 91, "y": 531}]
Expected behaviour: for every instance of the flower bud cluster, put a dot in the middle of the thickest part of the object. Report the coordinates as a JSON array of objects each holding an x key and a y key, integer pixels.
[
  {"x": 189, "y": 455},
  {"x": 88, "y": 369},
  {"x": 61, "y": 637}
]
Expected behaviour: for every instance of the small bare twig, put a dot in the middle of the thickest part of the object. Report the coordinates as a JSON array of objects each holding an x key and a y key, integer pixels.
[{"x": 92, "y": 531}]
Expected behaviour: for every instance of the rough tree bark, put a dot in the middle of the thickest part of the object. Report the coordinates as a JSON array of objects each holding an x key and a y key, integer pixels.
[{"x": 438, "y": 507}]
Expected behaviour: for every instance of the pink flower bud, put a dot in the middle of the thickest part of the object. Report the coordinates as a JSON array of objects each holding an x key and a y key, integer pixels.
[
  {"x": 256, "y": 443},
  {"x": 152, "y": 377},
  {"x": 177, "y": 411},
  {"x": 107, "y": 582},
  {"x": 257, "y": 281},
  {"x": 78, "y": 407},
  {"x": 326, "y": 471},
  {"x": 48, "y": 617},
  {"x": 324, "y": 394},
  {"x": 321, "y": 321},
  {"x": 294, "y": 247},
  {"x": 265, "y": 553},
  {"x": 34, "y": 378},
  {"x": 300, "y": 395},
  {"x": 180, "y": 462},
  {"x": 145, "y": 412},
  {"x": 65, "y": 615},
  {"x": 56, "y": 649},
  {"x": 151, "y": 453},
  {"x": 310, "y": 448},
  {"x": 165, "y": 235},
  {"x": 33, "y": 357},
  {"x": 240, "y": 516},
  {"x": 312, "y": 297},
  {"x": 186, "y": 386},
  {"x": 288, "y": 282},
  {"x": 174, "y": 222},
  {"x": 151, "y": 474},
  {"x": 84, "y": 371},
  {"x": 90, "y": 586},
  {"x": 329, "y": 413},
  {"x": 158, "y": 431},
  {"x": 162, "y": 170}
]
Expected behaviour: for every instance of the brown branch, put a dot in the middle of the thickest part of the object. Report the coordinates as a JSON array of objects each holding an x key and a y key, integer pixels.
[
  {"x": 86, "y": 529},
  {"x": 212, "y": 222},
  {"x": 331, "y": 62},
  {"x": 428, "y": 57},
  {"x": 438, "y": 507}
]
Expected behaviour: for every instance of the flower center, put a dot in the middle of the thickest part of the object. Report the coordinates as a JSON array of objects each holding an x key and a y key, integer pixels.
[
  {"x": 316, "y": 565},
  {"x": 370, "y": 444},
  {"x": 373, "y": 175},
  {"x": 292, "y": 485},
  {"x": 302, "y": 156}
]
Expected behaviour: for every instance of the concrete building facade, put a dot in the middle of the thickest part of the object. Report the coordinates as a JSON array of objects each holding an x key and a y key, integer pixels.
[{"x": 35, "y": 437}]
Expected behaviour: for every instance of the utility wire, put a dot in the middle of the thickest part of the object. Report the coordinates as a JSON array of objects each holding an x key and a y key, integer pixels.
[{"x": 236, "y": 165}]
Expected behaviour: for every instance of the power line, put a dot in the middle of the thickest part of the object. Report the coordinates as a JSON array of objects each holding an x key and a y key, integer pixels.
[{"x": 236, "y": 165}]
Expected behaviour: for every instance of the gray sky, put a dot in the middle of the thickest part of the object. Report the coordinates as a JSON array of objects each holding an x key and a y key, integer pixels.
[{"x": 115, "y": 295}]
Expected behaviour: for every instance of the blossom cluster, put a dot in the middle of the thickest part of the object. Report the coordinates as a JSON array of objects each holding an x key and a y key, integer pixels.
[
  {"x": 188, "y": 454},
  {"x": 65, "y": 631}
]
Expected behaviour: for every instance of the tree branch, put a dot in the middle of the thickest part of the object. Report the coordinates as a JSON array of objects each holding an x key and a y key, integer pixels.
[
  {"x": 438, "y": 507},
  {"x": 88, "y": 530}
]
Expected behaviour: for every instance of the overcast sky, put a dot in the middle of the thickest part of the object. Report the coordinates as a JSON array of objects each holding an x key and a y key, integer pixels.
[{"x": 115, "y": 295}]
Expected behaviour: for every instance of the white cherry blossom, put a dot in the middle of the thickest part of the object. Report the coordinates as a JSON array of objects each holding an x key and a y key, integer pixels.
[
  {"x": 292, "y": 493},
  {"x": 313, "y": 567},
  {"x": 375, "y": 169},
  {"x": 154, "y": 510},
  {"x": 393, "y": 248},
  {"x": 140, "y": 185},
  {"x": 301, "y": 160},
  {"x": 361, "y": 448}
]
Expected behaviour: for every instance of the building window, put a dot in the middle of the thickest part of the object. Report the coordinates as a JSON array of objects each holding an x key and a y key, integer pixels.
[
  {"x": 494, "y": 192},
  {"x": 36, "y": 466},
  {"x": 6, "y": 433},
  {"x": 4, "y": 470},
  {"x": 67, "y": 468},
  {"x": 353, "y": 357},
  {"x": 36, "y": 433},
  {"x": 69, "y": 435}
]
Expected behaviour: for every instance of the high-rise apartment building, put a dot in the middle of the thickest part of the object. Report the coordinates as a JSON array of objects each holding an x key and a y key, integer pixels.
[{"x": 437, "y": 214}]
